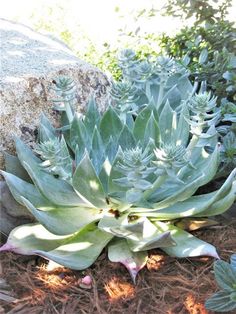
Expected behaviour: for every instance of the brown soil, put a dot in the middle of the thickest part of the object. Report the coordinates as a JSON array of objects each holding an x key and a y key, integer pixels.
[{"x": 166, "y": 285}]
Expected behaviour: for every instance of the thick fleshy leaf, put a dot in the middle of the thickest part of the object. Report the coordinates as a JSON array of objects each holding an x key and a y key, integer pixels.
[
  {"x": 57, "y": 191},
  {"x": 87, "y": 184},
  {"x": 186, "y": 244},
  {"x": 97, "y": 152},
  {"x": 157, "y": 240},
  {"x": 225, "y": 275},
  {"x": 167, "y": 123},
  {"x": 152, "y": 131},
  {"x": 233, "y": 261},
  {"x": 26, "y": 239},
  {"x": 111, "y": 149},
  {"x": 110, "y": 125},
  {"x": 64, "y": 220},
  {"x": 104, "y": 174},
  {"x": 46, "y": 130},
  {"x": 78, "y": 134},
  {"x": 13, "y": 165},
  {"x": 24, "y": 153},
  {"x": 182, "y": 132},
  {"x": 115, "y": 174},
  {"x": 141, "y": 234},
  {"x": 196, "y": 206},
  {"x": 81, "y": 250},
  {"x": 126, "y": 139},
  {"x": 92, "y": 116},
  {"x": 202, "y": 177},
  {"x": 63, "y": 161},
  {"x": 119, "y": 252},
  {"x": 141, "y": 122},
  {"x": 20, "y": 188},
  {"x": 221, "y": 302},
  {"x": 111, "y": 224},
  {"x": 221, "y": 205}
]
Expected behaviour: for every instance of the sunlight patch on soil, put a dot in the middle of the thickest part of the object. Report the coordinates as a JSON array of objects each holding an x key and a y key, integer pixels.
[{"x": 117, "y": 289}]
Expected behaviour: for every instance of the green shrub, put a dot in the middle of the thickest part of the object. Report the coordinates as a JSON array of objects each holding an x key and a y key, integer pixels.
[{"x": 210, "y": 50}]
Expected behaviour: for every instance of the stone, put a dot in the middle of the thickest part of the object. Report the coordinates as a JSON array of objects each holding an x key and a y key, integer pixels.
[{"x": 29, "y": 63}]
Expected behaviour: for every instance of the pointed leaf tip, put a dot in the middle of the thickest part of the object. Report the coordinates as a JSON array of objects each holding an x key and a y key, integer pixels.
[
  {"x": 119, "y": 252},
  {"x": 6, "y": 247}
]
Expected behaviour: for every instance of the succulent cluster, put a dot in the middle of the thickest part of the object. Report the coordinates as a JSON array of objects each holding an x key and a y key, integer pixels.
[
  {"x": 225, "y": 275},
  {"x": 123, "y": 178}
]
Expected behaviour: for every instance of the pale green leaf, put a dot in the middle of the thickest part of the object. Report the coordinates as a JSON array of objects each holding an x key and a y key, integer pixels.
[
  {"x": 220, "y": 302},
  {"x": 64, "y": 220},
  {"x": 92, "y": 116},
  {"x": 186, "y": 244},
  {"x": 167, "y": 123},
  {"x": 57, "y": 191},
  {"x": 225, "y": 276},
  {"x": 20, "y": 188},
  {"x": 152, "y": 131},
  {"x": 110, "y": 125},
  {"x": 26, "y": 239},
  {"x": 78, "y": 134},
  {"x": 13, "y": 165},
  {"x": 81, "y": 250},
  {"x": 126, "y": 139},
  {"x": 46, "y": 130},
  {"x": 87, "y": 184},
  {"x": 119, "y": 252},
  {"x": 97, "y": 152}
]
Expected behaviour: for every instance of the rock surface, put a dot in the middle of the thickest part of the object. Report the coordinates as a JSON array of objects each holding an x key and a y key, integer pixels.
[{"x": 29, "y": 63}]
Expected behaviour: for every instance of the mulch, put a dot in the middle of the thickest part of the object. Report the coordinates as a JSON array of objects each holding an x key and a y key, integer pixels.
[{"x": 165, "y": 285}]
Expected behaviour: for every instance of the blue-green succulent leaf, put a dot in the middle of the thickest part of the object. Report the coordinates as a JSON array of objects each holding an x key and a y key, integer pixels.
[
  {"x": 152, "y": 131},
  {"x": 26, "y": 239},
  {"x": 46, "y": 130},
  {"x": 182, "y": 132},
  {"x": 81, "y": 250},
  {"x": 87, "y": 184},
  {"x": 63, "y": 220},
  {"x": 126, "y": 139},
  {"x": 167, "y": 123},
  {"x": 206, "y": 174},
  {"x": 225, "y": 276},
  {"x": 110, "y": 125},
  {"x": 196, "y": 206},
  {"x": 57, "y": 191},
  {"x": 141, "y": 122},
  {"x": 13, "y": 165},
  {"x": 92, "y": 116},
  {"x": 97, "y": 152},
  {"x": 233, "y": 261},
  {"x": 186, "y": 244},
  {"x": 78, "y": 134},
  {"x": 119, "y": 252},
  {"x": 221, "y": 302},
  {"x": 20, "y": 188}
]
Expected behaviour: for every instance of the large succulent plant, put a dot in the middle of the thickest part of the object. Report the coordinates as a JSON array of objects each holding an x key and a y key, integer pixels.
[{"x": 119, "y": 180}]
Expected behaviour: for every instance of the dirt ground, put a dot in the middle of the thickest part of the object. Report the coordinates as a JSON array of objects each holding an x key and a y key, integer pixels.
[{"x": 166, "y": 285}]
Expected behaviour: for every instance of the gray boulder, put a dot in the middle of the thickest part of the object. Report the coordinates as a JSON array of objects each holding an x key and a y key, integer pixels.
[{"x": 29, "y": 63}]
